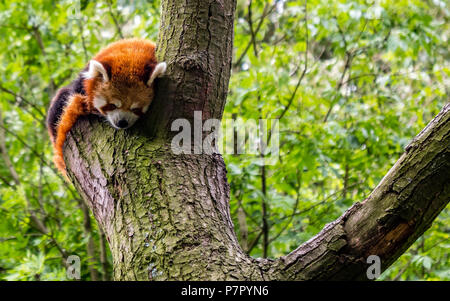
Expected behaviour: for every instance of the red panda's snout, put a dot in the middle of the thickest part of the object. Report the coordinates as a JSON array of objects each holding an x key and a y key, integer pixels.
[{"x": 121, "y": 119}]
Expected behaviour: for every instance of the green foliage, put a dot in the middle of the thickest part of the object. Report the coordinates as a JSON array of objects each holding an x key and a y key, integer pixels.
[{"x": 351, "y": 82}]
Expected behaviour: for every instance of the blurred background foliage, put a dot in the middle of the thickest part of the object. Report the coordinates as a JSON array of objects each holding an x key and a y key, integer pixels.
[{"x": 351, "y": 82}]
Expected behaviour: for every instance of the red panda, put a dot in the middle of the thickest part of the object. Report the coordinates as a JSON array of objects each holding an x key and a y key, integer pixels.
[{"x": 118, "y": 83}]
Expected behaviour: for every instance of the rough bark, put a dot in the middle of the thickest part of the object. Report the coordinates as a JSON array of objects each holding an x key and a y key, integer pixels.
[{"x": 166, "y": 216}]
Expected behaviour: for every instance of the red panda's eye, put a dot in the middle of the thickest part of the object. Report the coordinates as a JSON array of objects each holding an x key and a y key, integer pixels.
[
  {"x": 137, "y": 111},
  {"x": 109, "y": 107}
]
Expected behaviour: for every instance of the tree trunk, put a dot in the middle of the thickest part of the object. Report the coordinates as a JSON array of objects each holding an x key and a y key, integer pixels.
[{"x": 166, "y": 216}]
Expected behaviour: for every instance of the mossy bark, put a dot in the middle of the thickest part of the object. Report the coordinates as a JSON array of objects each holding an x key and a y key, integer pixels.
[
  {"x": 161, "y": 212},
  {"x": 166, "y": 216}
]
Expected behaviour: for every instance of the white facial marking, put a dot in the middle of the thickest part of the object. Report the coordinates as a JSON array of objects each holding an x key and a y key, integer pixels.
[
  {"x": 134, "y": 106},
  {"x": 96, "y": 68},
  {"x": 159, "y": 70},
  {"x": 99, "y": 102},
  {"x": 145, "y": 108},
  {"x": 117, "y": 103}
]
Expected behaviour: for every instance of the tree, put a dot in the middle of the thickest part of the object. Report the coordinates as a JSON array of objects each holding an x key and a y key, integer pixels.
[
  {"x": 349, "y": 83},
  {"x": 167, "y": 216}
]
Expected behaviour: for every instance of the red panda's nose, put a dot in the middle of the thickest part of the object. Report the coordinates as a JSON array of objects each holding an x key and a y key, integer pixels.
[{"x": 122, "y": 123}]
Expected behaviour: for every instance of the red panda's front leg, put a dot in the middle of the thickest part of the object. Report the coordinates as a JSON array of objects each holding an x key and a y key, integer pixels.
[{"x": 76, "y": 107}]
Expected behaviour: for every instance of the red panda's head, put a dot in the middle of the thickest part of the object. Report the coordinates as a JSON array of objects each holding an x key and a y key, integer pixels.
[{"x": 120, "y": 81}]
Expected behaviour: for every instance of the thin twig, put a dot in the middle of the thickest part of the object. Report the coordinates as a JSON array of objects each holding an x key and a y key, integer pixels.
[
  {"x": 38, "y": 110},
  {"x": 266, "y": 12},
  {"x": 113, "y": 17},
  {"x": 252, "y": 32}
]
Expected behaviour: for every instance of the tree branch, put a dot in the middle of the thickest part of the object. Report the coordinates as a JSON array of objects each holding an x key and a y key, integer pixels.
[{"x": 398, "y": 211}]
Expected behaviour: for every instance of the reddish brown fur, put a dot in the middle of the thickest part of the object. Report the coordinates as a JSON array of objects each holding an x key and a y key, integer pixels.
[
  {"x": 76, "y": 107},
  {"x": 129, "y": 64}
]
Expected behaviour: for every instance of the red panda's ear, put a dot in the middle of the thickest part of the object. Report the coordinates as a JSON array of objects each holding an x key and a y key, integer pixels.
[
  {"x": 97, "y": 69},
  {"x": 159, "y": 70}
]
